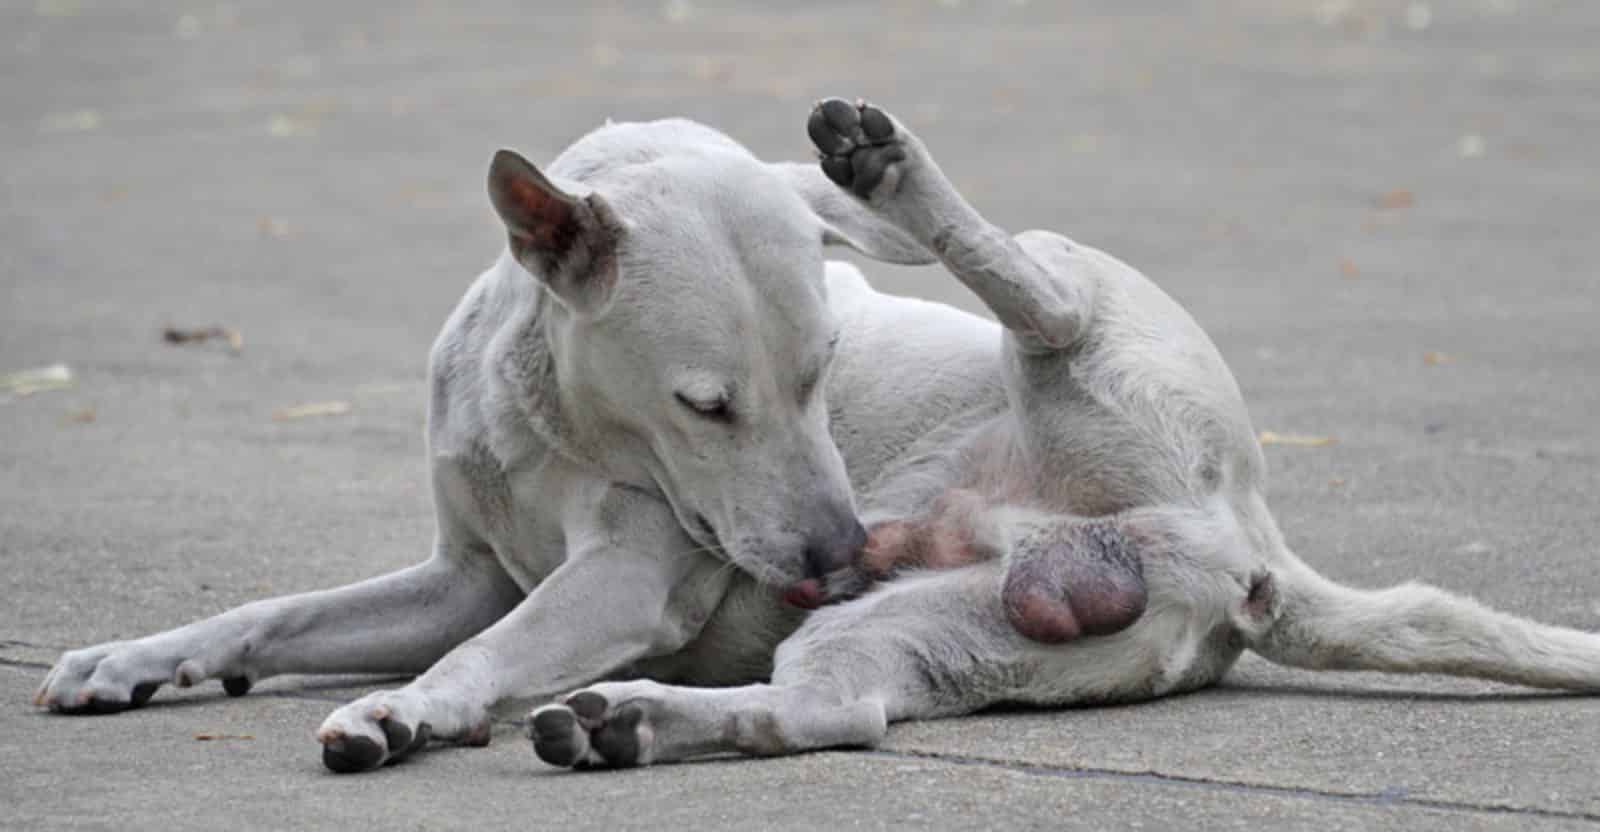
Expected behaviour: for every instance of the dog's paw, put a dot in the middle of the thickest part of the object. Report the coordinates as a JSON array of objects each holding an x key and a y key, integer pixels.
[
  {"x": 117, "y": 676},
  {"x": 604, "y": 726},
  {"x": 861, "y": 148},
  {"x": 386, "y": 727}
]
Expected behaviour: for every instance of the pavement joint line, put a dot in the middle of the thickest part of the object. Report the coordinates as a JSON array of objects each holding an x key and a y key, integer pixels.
[
  {"x": 16, "y": 642},
  {"x": 23, "y": 664},
  {"x": 1385, "y": 798}
]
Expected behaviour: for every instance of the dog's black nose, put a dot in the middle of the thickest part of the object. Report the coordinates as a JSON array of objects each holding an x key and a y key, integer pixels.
[{"x": 834, "y": 549}]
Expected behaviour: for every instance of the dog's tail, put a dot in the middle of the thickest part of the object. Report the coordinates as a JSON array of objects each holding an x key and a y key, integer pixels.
[{"x": 1312, "y": 622}]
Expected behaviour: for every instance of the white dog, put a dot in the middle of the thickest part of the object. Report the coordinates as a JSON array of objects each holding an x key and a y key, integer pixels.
[
  {"x": 638, "y": 394},
  {"x": 1087, "y": 511}
]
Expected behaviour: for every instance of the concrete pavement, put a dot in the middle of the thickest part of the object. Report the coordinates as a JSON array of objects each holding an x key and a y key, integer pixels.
[{"x": 1383, "y": 212}]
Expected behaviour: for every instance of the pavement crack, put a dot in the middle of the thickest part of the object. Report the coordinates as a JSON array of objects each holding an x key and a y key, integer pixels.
[
  {"x": 1384, "y": 798},
  {"x": 16, "y": 642},
  {"x": 23, "y": 664}
]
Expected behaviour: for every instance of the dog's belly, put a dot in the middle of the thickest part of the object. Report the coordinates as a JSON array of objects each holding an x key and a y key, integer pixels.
[{"x": 905, "y": 369}]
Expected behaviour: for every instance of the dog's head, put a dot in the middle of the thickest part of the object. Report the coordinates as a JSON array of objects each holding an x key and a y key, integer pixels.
[{"x": 691, "y": 331}]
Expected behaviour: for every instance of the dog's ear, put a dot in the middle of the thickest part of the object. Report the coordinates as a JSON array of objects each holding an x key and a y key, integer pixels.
[
  {"x": 567, "y": 242},
  {"x": 847, "y": 222}
]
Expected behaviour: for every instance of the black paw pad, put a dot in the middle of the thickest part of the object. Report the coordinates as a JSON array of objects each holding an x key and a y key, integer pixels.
[
  {"x": 402, "y": 740},
  {"x": 354, "y": 754},
  {"x": 618, "y": 740},
  {"x": 857, "y": 144},
  {"x": 142, "y": 693},
  {"x": 556, "y": 737},
  {"x": 870, "y": 164},
  {"x": 840, "y": 115},
  {"x": 827, "y": 140},
  {"x": 876, "y": 124},
  {"x": 236, "y": 685},
  {"x": 589, "y": 706},
  {"x": 839, "y": 170}
]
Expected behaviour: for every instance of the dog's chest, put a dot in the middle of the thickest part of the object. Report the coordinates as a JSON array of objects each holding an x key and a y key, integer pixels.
[{"x": 516, "y": 512}]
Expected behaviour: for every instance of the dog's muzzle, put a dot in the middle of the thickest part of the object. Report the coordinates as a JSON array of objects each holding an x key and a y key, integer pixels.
[{"x": 826, "y": 553}]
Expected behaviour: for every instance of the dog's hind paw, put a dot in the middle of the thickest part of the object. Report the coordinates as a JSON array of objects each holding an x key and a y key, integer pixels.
[
  {"x": 860, "y": 147},
  {"x": 594, "y": 729}
]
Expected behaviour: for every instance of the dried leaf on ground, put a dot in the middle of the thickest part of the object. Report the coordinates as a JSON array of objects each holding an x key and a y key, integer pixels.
[
  {"x": 37, "y": 380},
  {"x": 199, "y": 335},
  {"x": 1434, "y": 359},
  {"x": 1347, "y": 267},
  {"x": 1396, "y": 199},
  {"x": 76, "y": 121},
  {"x": 273, "y": 227},
  {"x": 305, "y": 411},
  {"x": 1298, "y": 440},
  {"x": 208, "y": 736},
  {"x": 82, "y": 416}
]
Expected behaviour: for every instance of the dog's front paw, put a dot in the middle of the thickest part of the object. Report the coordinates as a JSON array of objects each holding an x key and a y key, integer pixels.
[
  {"x": 861, "y": 149},
  {"x": 604, "y": 726},
  {"x": 120, "y": 675},
  {"x": 103, "y": 679},
  {"x": 386, "y": 727}
]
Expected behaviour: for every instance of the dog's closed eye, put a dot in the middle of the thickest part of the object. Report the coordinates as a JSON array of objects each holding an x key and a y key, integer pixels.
[{"x": 718, "y": 408}]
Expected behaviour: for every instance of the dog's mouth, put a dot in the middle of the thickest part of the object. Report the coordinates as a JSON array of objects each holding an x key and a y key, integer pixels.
[{"x": 805, "y": 594}]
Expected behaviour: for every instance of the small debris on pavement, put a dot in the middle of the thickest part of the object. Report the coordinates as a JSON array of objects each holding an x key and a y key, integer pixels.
[
  {"x": 1418, "y": 16},
  {"x": 81, "y": 416},
  {"x": 198, "y": 335},
  {"x": 207, "y": 736},
  {"x": 273, "y": 227},
  {"x": 1470, "y": 146},
  {"x": 1396, "y": 199},
  {"x": 1434, "y": 359},
  {"x": 1298, "y": 440},
  {"x": 1347, "y": 267},
  {"x": 304, "y": 411},
  {"x": 37, "y": 380},
  {"x": 76, "y": 121}
]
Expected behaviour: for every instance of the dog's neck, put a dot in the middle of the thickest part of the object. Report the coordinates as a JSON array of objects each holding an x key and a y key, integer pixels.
[{"x": 525, "y": 413}]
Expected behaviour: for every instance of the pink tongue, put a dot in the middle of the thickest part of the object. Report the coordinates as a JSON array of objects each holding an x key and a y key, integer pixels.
[{"x": 806, "y": 594}]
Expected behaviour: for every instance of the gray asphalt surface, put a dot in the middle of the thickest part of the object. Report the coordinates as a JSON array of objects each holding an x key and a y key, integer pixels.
[{"x": 1383, "y": 212}]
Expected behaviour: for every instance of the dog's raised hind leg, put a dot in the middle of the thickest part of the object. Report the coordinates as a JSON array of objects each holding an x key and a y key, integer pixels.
[{"x": 1034, "y": 282}]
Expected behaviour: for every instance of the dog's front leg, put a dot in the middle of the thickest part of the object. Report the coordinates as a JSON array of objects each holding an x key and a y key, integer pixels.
[
  {"x": 602, "y": 609},
  {"x": 396, "y": 623}
]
